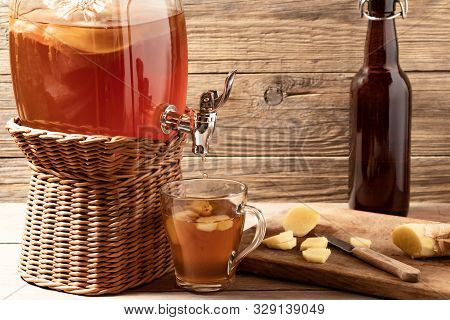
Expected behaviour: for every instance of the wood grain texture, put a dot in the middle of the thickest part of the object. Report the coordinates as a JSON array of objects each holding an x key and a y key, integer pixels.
[
  {"x": 273, "y": 178},
  {"x": 311, "y": 36},
  {"x": 344, "y": 271},
  {"x": 312, "y": 120},
  {"x": 309, "y": 50},
  {"x": 245, "y": 287},
  {"x": 400, "y": 269},
  {"x": 291, "y": 36}
]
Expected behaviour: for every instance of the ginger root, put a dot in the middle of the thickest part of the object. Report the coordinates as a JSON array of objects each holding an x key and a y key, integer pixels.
[
  {"x": 280, "y": 238},
  {"x": 185, "y": 215},
  {"x": 316, "y": 255},
  {"x": 317, "y": 242},
  {"x": 423, "y": 240},
  {"x": 300, "y": 220},
  {"x": 360, "y": 242},
  {"x": 209, "y": 224},
  {"x": 201, "y": 207},
  {"x": 283, "y": 245}
]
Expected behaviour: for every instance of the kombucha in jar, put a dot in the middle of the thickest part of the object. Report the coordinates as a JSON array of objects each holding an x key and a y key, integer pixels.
[{"x": 108, "y": 68}]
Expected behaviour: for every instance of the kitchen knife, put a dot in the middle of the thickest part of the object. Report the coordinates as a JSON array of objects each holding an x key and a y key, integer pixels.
[{"x": 378, "y": 260}]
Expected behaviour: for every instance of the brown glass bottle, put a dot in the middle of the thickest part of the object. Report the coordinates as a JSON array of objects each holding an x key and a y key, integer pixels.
[{"x": 380, "y": 122}]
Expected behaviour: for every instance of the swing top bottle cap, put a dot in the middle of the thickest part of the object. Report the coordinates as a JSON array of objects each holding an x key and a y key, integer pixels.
[{"x": 383, "y": 9}]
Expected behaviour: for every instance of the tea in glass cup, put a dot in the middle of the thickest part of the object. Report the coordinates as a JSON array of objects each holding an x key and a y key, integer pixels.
[{"x": 204, "y": 221}]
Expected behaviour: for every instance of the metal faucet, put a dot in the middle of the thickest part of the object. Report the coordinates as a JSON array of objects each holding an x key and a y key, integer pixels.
[{"x": 202, "y": 124}]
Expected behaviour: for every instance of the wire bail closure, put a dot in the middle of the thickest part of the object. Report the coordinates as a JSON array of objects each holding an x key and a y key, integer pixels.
[{"x": 365, "y": 12}]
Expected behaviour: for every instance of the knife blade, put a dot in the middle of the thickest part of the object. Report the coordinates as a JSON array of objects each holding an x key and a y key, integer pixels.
[
  {"x": 401, "y": 270},
  {"x": 347, "y": 247}
]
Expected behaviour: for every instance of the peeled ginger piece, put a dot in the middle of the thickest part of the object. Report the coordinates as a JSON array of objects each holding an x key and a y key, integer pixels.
[
  {"x": 221, "y": 217},
  {"x": 360, "y": 242},
  {"x": 201, "y": 207},
  {"x": 225, "y": 225},
  {"x": 185, "y": 215},
  {"x": 300, "y": 220},
  {"x": 280, "y": 238},
  {"x": 207, "y": 227},
  {"x": 316, "y": 255},
  {"x": 317, "y": 242},
  {"x": 423, "y": 240},
  {"x": 283, "y": 245},
  {"x": 209, "y": 224}
]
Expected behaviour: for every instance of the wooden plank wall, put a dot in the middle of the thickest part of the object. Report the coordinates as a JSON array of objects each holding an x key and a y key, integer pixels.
[{"x": 285, "y": 130}]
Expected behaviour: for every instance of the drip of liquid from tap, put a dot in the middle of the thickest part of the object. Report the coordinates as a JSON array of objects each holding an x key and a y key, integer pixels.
[{"x": 203, "y": 167}]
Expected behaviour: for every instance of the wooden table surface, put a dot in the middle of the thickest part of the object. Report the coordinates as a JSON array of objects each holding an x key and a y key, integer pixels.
[{"x": 245, "y": 286}]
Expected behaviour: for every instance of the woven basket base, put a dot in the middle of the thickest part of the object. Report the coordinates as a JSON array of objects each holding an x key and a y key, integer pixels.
[
  {"x": 86, "y": 292},
  {"x": 93, "y": 222}
]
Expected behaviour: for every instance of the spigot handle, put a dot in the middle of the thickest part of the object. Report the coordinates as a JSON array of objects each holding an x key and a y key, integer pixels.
[
  {"x": 210, "y": 100},
  {"x": 200, "y": 125},
  {"x": 220, "y": 101}
]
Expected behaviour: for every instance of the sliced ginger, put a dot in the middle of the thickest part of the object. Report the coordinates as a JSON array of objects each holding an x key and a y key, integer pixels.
[
  {"x": 211, "y": 223},
  {"x": 300, "y": 220},
  {"x": 218, "y": 218},
  {"x": 185, "y": 215},
  {"x": 423, "y": 240},
  {"x": 317, "y": 242},
  {"x": 201, "y": 207},
  {"x": 225, "y": 225},
  {"x": 207, "y": 227},
  {"x": 283, "y": 245},
  {"x": 360, "y": 242},
  {"x": 316, "y": 255},
  {"x": 280, "y": 238}
]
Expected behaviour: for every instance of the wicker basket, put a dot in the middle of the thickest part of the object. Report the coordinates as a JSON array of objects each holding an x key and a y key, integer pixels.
[{"x": 93, "y": 222}]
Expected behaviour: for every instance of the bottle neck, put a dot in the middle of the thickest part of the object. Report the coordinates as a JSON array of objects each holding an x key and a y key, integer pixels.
[{"x": 381, "y": 42}]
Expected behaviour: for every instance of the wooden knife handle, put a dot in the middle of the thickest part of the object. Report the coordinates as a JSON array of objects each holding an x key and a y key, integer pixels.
[{"x": 395, "y": 267}]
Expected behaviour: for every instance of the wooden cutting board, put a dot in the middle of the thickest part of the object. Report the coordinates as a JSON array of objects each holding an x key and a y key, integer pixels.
[{"x": 343, "y": 271}]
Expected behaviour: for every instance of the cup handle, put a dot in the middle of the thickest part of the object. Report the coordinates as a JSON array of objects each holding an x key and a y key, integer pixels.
[{"x": 259, "y": 234}]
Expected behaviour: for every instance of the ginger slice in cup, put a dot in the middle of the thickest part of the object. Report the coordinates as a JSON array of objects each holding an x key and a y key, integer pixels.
[
  {"x": 218, "y": 218},
  {"x": 225, "y": 225},
  {"x": 207, "y": 227},
  {"x": 185, "y": 215},
  {"x": 202, "y": 207},
  {"x": 211, "y": 223}
]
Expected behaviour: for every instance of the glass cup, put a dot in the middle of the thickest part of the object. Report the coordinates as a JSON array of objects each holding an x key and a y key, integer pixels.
[{"x": 204, "y": 221}]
